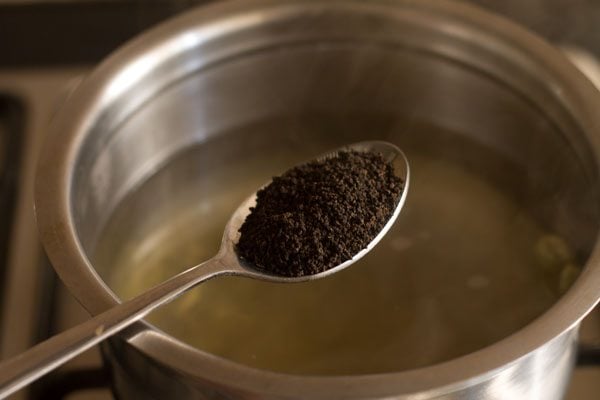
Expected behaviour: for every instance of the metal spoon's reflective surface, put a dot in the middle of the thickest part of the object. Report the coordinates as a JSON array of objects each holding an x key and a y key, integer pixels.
[{"x": 46, "y": 356}]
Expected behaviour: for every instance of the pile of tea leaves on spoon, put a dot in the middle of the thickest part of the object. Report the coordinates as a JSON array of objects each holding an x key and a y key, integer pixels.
[{"x": 320, "y": 214}]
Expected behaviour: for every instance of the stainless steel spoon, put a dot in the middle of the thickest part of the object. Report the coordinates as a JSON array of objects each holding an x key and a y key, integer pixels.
[{"x": 21, "y": 370}]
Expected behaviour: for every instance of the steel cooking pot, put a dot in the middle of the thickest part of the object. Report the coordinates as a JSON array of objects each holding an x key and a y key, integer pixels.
[{"x": 232, "y": 63}]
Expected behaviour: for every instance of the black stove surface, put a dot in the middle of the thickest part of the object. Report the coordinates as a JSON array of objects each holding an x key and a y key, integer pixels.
[{"x": 11, "y": 128}]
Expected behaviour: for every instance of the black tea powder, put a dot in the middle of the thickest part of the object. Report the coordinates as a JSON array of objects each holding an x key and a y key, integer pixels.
[{"x": 319, "y": 214}]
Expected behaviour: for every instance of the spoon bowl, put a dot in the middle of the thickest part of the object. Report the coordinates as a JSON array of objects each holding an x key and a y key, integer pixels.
[
  {"x": 238, "y": 266},
  {"x": 17, "y": 372}
]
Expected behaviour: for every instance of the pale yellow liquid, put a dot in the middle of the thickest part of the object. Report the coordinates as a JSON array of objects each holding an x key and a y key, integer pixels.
[{"x": 456, "y": 273}]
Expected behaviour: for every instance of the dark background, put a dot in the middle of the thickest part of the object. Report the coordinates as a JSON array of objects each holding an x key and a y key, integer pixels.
[{"x": 58, "y": 32}]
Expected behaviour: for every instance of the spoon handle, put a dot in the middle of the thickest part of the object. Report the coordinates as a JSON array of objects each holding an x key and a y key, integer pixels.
[{"x": 26, "y": 367}]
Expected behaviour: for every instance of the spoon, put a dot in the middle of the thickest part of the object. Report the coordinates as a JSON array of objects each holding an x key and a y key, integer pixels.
[{"x": 23, "y": 369}]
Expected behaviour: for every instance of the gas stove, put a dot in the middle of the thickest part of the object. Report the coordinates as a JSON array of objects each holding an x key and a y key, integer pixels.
[{"x": 35, "y": 304}]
